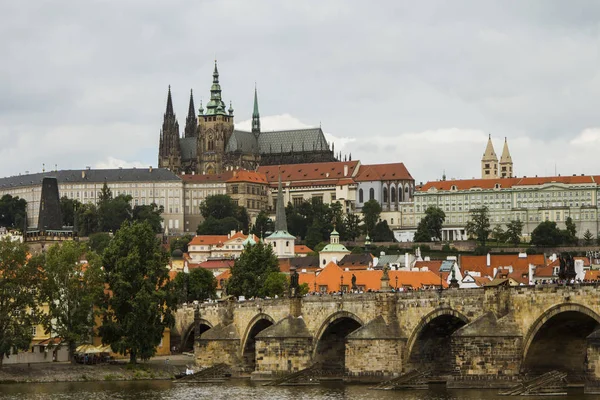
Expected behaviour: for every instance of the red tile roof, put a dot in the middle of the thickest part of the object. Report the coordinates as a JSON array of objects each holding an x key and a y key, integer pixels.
[
  {"x": 309, "y": 172},
  {"x": 207, "y": 240},
  {"x": 466, "y": 184},
  {"x": 479, "y": 263},
  {"x": 433, "y": 265},
  {"x": 248, "y": 176},
  {"x": 592, "y": 275},
  {"x": 223, "y": 276},
  {"x": 301, "y": 249},
  {"x": 370, "y": 279},
  {"x": 216, "y": 264},
  {"x": 383, "y": 172}
]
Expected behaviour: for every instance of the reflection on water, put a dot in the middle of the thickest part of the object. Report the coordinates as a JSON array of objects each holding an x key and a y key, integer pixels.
[{"x": 236, "y": 390}]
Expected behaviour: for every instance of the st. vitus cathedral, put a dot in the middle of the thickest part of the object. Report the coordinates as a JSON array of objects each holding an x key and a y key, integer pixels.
[{"x": 211, "y": 145}]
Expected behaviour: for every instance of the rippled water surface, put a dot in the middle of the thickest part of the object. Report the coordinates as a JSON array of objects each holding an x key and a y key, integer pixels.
[{"x": 236, "y": 390}]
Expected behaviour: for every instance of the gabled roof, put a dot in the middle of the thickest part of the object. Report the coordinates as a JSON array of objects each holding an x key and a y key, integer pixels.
[
  {"x": 383, "y": 172},
  {"x": 389, "y": 259},
  {"x": 433, "y": 265},
  {"x": 325, "y": 172},
  {"x": 310, "y": 139},
  {"x": 356, "y": 260},
  {"x": 216, "y": 264},
  {"x": 301, "y": 249},
  {"x": 248, "y": 176},
  {"x": 199, "y": 240}
]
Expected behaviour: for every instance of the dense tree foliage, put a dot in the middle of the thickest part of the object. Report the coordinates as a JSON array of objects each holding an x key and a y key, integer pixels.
[
  {"x": 263, "y": 225},
  {"x": 479, "y": 225},
  {"x": 382, "y": 232},
  {"x": 199, "y": 284},
  {"x": 498, "y": 234},
  {"x": 514, "y": 230},
  {"x": 570, "y": 233},
  {"x": 352, "y": 226},
  {"x": 141, "y": 303},
  {"x": 13, "y": 211},
  {"x": 151, "y": 213},
  {"x": 430, "y": 226},
  {"x": 71, "y": 289},
  {"x": 371, "y": 212},
  {"x": 87, "y": 219},
  {"x": 546, "y": 234},
  {"x": 180, "y": 242},
  {"x": 251, "y": 269},
  {"x": 222, "y": 215},
  {"x": 98, "y": 241},
  {"x": 19, "y": 279},
  {"x": 113, "y": 212},
  {"x": 68, "y": 209},
  {"x": 276, "y": 284},
  {"x": 588, "y": 237}
]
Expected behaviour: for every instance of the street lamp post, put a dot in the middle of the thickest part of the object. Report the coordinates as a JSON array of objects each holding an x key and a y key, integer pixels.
[
  {"x": 342, "y": 285},
  {"x": 315, "y": 281},
  {"x": 396, "y": 283}
]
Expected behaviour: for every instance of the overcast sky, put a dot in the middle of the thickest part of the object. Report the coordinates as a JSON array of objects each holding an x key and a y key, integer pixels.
[{"x": 84, "y": 83}]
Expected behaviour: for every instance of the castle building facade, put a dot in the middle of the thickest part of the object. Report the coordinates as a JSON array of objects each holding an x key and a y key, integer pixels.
[{"x": 211, "y": 144}]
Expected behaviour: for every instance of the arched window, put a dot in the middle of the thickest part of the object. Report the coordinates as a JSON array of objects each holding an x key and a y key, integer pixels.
[
  {"x": 400, "y": 198},
  {"x": 371, "y": 194},
  {"x": 393, "y": 194},
  {"x": 287, "y": 244},
  {"x": 385, "y": 195},
  {"x": 360, "y": 196}
]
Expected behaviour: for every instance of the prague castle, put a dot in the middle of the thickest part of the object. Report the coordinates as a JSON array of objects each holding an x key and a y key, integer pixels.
[
  {"x": 211, "y": 144},
  {"x": 491, "y": 168}
]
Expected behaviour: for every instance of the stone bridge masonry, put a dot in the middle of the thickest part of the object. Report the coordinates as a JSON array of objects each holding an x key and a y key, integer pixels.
[{"x": 479, "y": 337}]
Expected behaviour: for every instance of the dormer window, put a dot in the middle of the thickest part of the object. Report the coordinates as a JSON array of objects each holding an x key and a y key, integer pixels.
[
  {"x": 497, "y": 186},
  {"x": 453, "y": 188}
]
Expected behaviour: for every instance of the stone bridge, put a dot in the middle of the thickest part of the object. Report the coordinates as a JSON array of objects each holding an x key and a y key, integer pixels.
[{"x": 474, "y": 335}]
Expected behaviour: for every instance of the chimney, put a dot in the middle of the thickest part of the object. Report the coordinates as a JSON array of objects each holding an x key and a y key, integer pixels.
[
  {"x": 406, "y": 260},
  {"x": 82, "y": 174},
  {"x": 345, "y": 170},
  {"x": 150, "y": 169},
  {"x": 488, "y": 260}
]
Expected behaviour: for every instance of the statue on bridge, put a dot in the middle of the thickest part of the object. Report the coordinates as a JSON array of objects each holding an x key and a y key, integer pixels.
[
  {"x": 354, "y": 287},
  {"x": 294, "y": 286},
  {"x": 566, "y": 270}
]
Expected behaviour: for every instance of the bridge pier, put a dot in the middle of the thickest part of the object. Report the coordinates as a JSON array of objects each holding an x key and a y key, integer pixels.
[{"x": 219, "y": 345}]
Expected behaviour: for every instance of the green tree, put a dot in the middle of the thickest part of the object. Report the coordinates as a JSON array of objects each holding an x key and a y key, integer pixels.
[
  {"x": 13, "y": 211},
  {"x": 199, "y": 284},
  {"x": 357, "y": 250},
  {"x": 180, "y": 243},
  {"x": 19, "y": 279},
  {"x": 213, "y": 226},
  {"x": 479, "y": 225},
  {"x": 588, "y": 237},
  {"x": 352, "y": 222},
  {"x": 315, "y": 234},
  {"x": 218, "y": 206},
  {"x": 546, "y": 234},
  {"x": 514, "y": 230},
  {"x": 498, "y": 234},
  {"x": 251, "y": 269},
  {"x": 142, "y": 303},
  {"x": 87, "y": 219},
  {"x": 570, "y": 233},
  {"x": 113, "y": 212},
  {"x": 68, "y": 208},
  {"x": 430, "y": 226},
  {"x": 371, "y": 211},
  {"x": 151, "y": 213},
  {"x": 71, "y": 289},
  {"x": 262, "y": 225},
  {"x": 382, "y": 232},
  {"x": 105, "y": 194},
  {"x": 99, "y": 241},
  {"x": 276, "y": 284},
  {"x": 222, "y": 215}
]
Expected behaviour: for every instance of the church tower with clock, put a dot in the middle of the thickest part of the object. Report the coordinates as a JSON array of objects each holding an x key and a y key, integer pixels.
[{"x": 215, "y": 127}]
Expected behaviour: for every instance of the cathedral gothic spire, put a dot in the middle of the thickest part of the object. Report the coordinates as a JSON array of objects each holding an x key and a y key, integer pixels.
[
  {"x": 169, "y": 154},
  {"x": 255, "y": 115},
  {"x": 191, "y": 123}
]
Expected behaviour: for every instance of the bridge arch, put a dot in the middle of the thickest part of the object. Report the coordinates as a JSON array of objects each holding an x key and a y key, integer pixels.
[
  {"x": 259, "y": 323},
  {"x": 426, "y": 343},
  {"x": 189, "y": 336},
  {"x": 557, "y": 339},
  {"x": 330, "y": 345}
]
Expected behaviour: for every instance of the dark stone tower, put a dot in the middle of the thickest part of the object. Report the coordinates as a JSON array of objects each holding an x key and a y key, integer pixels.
[
  {"x": 191, "y": 122},
  {"x": 50, "y": 217},
  {"x": 169, "y": 153}
]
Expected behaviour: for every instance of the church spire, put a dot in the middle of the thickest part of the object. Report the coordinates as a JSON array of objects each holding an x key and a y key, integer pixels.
[
  {"x": 506, "y": 164},
  {"x": 489, "y": 161},
  {"x": 255, "y": 115},
  {"x": 280, "y": 217},
  {"x": 216, "y": 104},
  {"x": 169, "y": 110},
  {"x": 191, "y": 123}
]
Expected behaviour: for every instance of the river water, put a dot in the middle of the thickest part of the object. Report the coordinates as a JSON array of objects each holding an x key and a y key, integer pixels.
[{"x": 237, "y": 390}]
